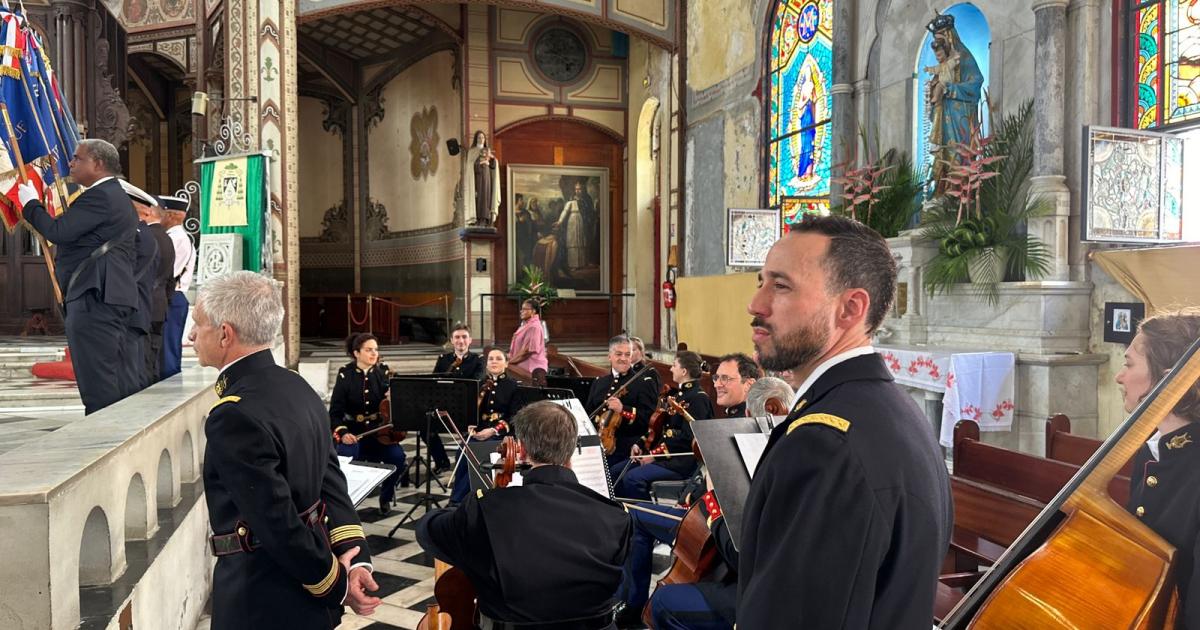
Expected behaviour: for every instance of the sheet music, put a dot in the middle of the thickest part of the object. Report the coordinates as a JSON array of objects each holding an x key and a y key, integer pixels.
[
  {"x": 361, "y": 479},
  {"x": 751, "y": 447},
  {"x": 344, "y": 459},
  {"x": 573, "y": 405},
  {"x": 591, "y": 470}
]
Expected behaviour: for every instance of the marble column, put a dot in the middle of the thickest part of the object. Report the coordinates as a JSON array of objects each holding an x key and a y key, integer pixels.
[
  {"x": 845, "y": 128},
  {"x": 261, "y": 64},
  {"x": 1049, "y": 111}
]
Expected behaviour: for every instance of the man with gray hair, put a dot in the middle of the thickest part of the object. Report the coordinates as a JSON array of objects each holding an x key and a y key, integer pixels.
[
  {"x": 769, "y": 396},
  {"x": 633, "y": 407},
  {"x": 559, "y": 546},
  {"x": 290, "y": 548},
  {"x": 94, "y": 266}
]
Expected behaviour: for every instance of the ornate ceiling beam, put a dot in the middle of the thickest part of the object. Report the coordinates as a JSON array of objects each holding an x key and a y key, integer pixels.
[{"x": 335, "y": 67}]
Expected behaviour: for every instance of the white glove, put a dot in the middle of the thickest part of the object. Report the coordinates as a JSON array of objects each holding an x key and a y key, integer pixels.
[{"x": 26, "y": 192}]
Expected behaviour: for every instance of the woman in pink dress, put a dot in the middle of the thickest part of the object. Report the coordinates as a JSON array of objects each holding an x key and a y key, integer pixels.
[{"x": 528, "y": 349}]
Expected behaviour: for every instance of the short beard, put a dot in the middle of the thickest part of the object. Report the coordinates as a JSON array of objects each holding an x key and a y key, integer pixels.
[{"x": 795, "y": 349}]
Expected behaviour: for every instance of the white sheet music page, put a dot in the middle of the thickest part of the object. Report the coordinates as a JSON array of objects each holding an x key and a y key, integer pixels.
[
  {"x": 751, "y": 447},
  {"x": 588, "y": 465},
  {"x": 361, "y": 480},
  {"x": 573, "y": 405}
]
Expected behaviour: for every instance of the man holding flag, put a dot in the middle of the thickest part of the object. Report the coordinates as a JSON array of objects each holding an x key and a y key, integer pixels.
[{"x": 95, "y": 268}]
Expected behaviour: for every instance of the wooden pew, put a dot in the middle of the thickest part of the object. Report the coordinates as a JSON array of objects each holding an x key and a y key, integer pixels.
[
  {"x": 1027, "y": 475},
  {"x": 1064, "y": 446}
]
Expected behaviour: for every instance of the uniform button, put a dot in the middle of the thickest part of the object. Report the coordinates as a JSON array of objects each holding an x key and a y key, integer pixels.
[
  {"x": 1141, "y": 511},
  {"x": 241, "y": 531},
  {"x": 1151, "y": 481}
]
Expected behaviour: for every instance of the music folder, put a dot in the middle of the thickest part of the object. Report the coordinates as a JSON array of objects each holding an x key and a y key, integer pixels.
[{"x": 728, "y": 469}]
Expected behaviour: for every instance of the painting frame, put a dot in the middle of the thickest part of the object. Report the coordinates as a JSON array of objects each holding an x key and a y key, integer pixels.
[
  {"x": 1121, "y": 321},
  {"x": 527, "y": 182},
  {"x": 749, "y": 234},
  {"x": 1160, "y": 217}
]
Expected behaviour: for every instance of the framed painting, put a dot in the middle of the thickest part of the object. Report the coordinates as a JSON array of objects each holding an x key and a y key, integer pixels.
[
  {"x": 1132, "y": 186},
  {"x": 1121, "y": 321},
  {"x": 558, "y": 222},
  {"x": 749, "y": 235}
]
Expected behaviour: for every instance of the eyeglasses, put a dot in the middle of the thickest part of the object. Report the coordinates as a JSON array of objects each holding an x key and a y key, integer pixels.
[{"x": 721, "y": 378}]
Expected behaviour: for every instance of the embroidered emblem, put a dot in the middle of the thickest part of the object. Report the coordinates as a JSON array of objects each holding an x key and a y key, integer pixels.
[
  {"x": 800, "y": 404},
  {"x": 1179, "y": 441},
  {"x": 670, "y": 433},
  {"x": 829, "y": 420},
  {"x": 220, "y": 385}
]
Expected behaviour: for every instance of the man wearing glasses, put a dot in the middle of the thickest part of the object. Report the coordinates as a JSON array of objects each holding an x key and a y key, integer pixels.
[{"x": 735, "y": 374}]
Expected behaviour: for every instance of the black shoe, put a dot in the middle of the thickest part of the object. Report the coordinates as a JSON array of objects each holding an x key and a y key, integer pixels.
[
  {"x": 404, "y": 480},
  {"x": 440, "y": 467},
  {"x": 385, "y": 507}
]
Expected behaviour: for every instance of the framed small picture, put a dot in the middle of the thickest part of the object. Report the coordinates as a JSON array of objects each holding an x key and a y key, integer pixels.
[
  {"x": 749, "y": 235},
  {"x": 1121, "y": 320}
]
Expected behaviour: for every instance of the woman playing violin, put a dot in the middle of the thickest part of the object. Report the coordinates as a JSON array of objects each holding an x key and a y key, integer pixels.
[
  {"x": 1165, "y": 480},
  {"x": 665, "y": 452},
  {"x": 495, "y": 401},
  {"x": 362, "y": 384}
]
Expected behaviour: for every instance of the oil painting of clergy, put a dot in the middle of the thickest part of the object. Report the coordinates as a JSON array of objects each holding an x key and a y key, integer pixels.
[{"x": 557, "y": 224}]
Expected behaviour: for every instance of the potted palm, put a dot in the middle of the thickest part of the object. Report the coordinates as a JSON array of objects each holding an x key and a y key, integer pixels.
[
  {"x": 979, "y": 223},
  {"x": 533, "y": 285}
]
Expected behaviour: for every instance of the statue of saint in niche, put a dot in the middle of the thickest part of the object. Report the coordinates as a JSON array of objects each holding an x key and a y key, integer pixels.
[
  {"x": 481, "y": 182},
  {"x": 953, "y": 93}
]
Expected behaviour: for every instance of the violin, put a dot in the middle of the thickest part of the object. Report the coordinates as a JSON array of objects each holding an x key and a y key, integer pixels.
[
  {"x": 452, "y": 590},
  {"x": 608, "y": 420},
  {"x": 384, "y": 433},
  {"x": 681, "y": 410},
  {"x": 657, "y": 418}
]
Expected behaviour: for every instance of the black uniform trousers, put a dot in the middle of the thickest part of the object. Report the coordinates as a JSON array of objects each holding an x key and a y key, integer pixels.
[
  {"x": 96, "y": 335},
  {"x": 153, "y": 353}
]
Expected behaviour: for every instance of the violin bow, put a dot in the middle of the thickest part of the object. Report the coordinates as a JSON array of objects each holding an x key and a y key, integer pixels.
[
  {"x": 620, "y": 391},
  {"x": 472, "y": 461}
]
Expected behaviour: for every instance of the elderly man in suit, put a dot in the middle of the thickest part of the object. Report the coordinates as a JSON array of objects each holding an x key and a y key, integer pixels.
[{"x": 95, "y": 268}]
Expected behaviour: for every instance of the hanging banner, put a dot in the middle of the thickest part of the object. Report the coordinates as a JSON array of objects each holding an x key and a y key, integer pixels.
[{"x": 227, "y": 205}]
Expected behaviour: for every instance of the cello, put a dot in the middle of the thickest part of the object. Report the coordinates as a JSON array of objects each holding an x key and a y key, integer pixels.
[
  {"x": 452, "y": 590},
  {"x": 1122, "y": 573}
]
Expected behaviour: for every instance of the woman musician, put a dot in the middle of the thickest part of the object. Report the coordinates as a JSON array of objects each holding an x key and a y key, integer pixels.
[
  {"x": 666, "y": 455},
  {"x": 1164, "y": 487},
  {"x": 495, "y": 401},
  {"x": 362, "y": 384}
]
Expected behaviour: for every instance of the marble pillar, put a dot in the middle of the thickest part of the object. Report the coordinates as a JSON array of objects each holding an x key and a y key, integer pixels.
[
  {"x": 1049, "y": 111},
  {"x": 845, "y": 129},
  {"x": 261, "y": 64}
]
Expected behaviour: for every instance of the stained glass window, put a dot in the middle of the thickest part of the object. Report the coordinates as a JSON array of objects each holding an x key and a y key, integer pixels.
[
  {"x": 1165, "y": 54},
  {"x": 800, "y": 106}
]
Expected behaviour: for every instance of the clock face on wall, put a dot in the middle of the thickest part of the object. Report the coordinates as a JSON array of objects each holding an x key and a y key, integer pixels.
[{"x": 560, "y": 54}]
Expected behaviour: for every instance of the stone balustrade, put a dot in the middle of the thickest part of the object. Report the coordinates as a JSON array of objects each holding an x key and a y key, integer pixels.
[{"x": 73, "y": 501}]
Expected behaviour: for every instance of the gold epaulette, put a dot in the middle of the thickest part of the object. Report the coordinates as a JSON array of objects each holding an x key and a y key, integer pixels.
[
  {"x": 829, "y": 420},
  {"x": 223, "y": 400}
]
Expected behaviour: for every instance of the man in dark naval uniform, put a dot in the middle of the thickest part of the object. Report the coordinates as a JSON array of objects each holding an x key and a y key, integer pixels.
[
  {"x": 290, "y": 548},
  {"x": 736, "y": 374},
  {"x": 94, "y": 258},
  {"x": 461, "y": 363},
  {"x": 849, "y": 512},
  {"x": 559, "y": 547},
  {"x": 634, "y": 407}
]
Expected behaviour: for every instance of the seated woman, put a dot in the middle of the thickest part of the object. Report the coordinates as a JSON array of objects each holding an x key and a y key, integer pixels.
[
  {"x": 361, "y": 386},
  {"x": 1164, "y": 487},
  {"x": 495, "y": 401},
  {"x": 669, "y": 457}
]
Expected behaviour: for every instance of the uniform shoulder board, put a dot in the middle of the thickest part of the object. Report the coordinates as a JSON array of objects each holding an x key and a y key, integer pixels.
[
  {"x": 223, "y": 400},
  {"x": 829, "y": 420}
]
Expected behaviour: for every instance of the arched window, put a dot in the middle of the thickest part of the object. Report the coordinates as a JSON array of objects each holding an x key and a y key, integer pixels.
[
  {"x": 799, "y": 107},
  {"x": 1163, "y": 53}
]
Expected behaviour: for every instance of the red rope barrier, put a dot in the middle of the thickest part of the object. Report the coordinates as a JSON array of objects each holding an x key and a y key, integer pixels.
[
  {"x": 350, "y": 313},
  {"x": 398, "y": 305}
]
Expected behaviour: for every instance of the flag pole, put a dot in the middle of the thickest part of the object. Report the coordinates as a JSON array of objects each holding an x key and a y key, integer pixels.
[
  {"x": 26, "y": 70},
  {"x": 12, "y": 141}
]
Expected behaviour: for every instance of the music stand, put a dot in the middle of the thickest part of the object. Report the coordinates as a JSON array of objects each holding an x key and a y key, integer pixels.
[
  {"x": 725, "y": 466},
  {"x": 581, "y": 385},
  {"x": 526, "y": 395},
  {"x": 415, "y": 399}
]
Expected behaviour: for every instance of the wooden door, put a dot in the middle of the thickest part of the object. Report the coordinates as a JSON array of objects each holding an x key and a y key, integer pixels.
[{"x": 24, "y": 283}]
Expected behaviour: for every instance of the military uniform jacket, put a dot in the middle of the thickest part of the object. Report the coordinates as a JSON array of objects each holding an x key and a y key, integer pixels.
[
  {"x": 676, "y": 434},
  {"x": 100, "y": 214},
  {"x": 495, "y": 408},
  {"x": 470, "y": 367},
  {"x": 639, "y": 401},
  {"x": 267, "y": 460},
  {"x": 145, "y": 265},
  {"x": 164, "y": 276},
  {"x": 1165, "y": 495},
  {"x": 356, "y": 396},
  {"x": 547, "y": 550},
  {"x": 849, "y": 513}
]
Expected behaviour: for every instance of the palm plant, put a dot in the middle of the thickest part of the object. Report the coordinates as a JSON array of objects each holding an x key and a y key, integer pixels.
[
  {"x": 884, "y": 192},
  {"x": 533, "y": 285},
  {"x": 984, "y": 214}
]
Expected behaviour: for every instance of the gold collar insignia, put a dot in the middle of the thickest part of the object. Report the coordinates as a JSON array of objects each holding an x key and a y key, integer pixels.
[
  {"x": 1179, "y": 441},
  {"x": 220, "y": 385}
]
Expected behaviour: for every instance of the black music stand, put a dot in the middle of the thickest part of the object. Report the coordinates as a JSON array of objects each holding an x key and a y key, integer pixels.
[
  {"x": 726, "y": 468},
  {"x": 526, "y": 395},
  {"x": 415, "y": 401},
  {"x": 581, "y": 385}
]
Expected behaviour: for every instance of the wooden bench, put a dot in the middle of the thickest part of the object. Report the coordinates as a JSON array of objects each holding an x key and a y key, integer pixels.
[
  {"x": 1027, "y": 475},
  {"x": 1064, "y": 446}
]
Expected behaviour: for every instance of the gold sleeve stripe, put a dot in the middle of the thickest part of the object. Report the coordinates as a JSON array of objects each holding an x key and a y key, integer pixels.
[
  {"x": 829, "y": 420},
  {"x": 224, "y": 400},
  {"x": 321, "y": 588},
  {"x": 346, "y": 532}
]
